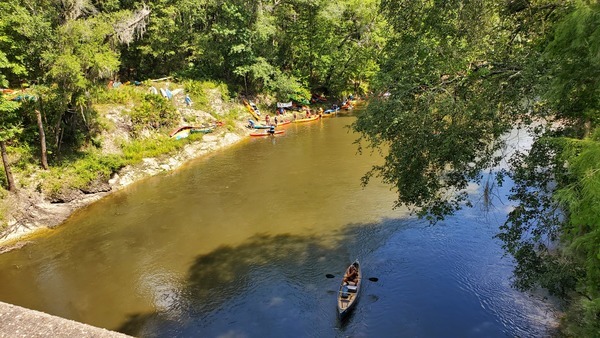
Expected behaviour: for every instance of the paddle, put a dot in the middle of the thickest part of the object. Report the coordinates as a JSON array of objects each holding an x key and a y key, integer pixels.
[{"x": 372, "y": 279}]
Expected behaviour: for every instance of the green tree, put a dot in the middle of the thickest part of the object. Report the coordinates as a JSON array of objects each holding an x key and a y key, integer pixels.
[
  {"x": 459, "y": 75},
  {"x": 557, "y": 184},
  {"x": 27, "y": 30},
  {"x": 85, "y": 53},
  {"x": 171, "y": 41},
  {"x": 8, "y": 131},
  {"x": 9, "y": 127},
  {"x": 328, "y": 44},
  {"x": 452, "y": 76}
]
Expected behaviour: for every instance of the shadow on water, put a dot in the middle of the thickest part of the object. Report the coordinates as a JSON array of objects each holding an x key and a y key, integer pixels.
[{"x": 266, "y": 269}]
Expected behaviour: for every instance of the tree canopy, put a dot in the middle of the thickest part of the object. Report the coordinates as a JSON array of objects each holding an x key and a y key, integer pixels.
[{"x": 458, "y": 75}]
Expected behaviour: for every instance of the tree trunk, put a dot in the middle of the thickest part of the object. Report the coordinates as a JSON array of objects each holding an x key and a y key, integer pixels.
[
  {"x": 587, "y": 127},
  {"x": 38, "y": 115},
  {"x": 11, "y": 181}
]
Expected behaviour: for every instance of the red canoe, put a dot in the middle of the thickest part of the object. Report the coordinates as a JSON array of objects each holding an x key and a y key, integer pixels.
[
  {"x": 283, "y": 123},
  {"x": 267, "y": 133}
]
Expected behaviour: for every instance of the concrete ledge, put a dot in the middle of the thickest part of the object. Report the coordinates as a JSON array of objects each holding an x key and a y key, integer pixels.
[{"x": 16, "y": 321}]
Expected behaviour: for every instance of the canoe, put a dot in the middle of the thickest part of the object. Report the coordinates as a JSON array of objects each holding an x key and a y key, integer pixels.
[
  {"x": 261, "y": 126},
  {"x": 267, "y": 133},
  {"x": 347, "y": 106},
  {"x": 312, "y": 118},
  {"x": 180, "y": 130},
  {"x": 347, "y": 296},
  {"x": 181, "y": 134},
  {"x": 254, "y": 125},
  {"x": 282, "y": 123},
  {"x": 185, "y": 131}
]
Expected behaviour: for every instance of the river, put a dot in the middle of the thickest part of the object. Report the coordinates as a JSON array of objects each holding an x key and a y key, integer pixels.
[{"x": 239, "y": 243}]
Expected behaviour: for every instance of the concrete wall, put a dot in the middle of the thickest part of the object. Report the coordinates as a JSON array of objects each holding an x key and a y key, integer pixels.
[{"x": 16, "y": 321}]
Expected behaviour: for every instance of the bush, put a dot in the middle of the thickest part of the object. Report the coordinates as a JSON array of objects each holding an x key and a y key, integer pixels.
[
  {"x": 92, "y": 166},
  {"x": 229, "y": 120},
  {"x": 3, "y": 181},
  {"x": 154, "y": 112},
  {"x": 287, "y": 86},
  {"x": 54, "y": 181},
  {"x": 198, "y": 91},
  {"x": 135, "y": 150},
  {"x": 121, "y": 95},
  {"x": 80, "y": 173}
]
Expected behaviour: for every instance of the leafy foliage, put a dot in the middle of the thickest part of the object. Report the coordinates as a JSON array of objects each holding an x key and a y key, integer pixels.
[
  {"x": 573, "y": 58},
  {"x": 451, "y": 96},
  {"x": 460, "y": 74},
  {"x": 78, "y": 174},
  {"x": 199, "y": 92},
  {"x": 534, "y": 226},
  {"x": 154, "y": 112},
  {"x": 554, "y": 231},
  {"x": 121, "y": 95}
]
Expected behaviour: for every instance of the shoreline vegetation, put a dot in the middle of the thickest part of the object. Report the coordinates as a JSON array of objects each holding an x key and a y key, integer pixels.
[{"x": 45, "y": 199}]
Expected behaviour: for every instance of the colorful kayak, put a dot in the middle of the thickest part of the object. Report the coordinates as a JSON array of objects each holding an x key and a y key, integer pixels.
[
  {"x": 185, "y": 131},
  {"x": 252, "y": 109},
  {"x": 283, "y": 123},
  {"x": 267, "y": 133},
  {"x": 308, "y": 119},
  {"x": 180, "y": 129},
  {"x": 254, "y": 125},
  {"x": 330, "y": 112}
]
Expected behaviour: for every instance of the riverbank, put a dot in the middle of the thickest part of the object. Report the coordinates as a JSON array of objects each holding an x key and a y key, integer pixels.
[
  {"x": 35, "y": 208},
  {"x": 33, "y": 214}
]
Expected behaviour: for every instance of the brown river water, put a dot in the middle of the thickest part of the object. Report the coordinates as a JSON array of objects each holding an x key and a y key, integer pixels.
[{"x": 239, "y": 243}]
